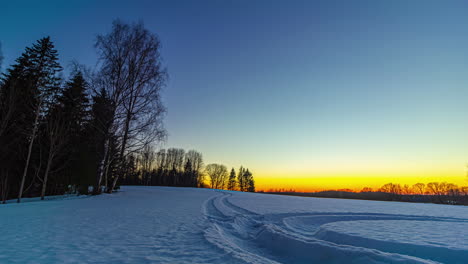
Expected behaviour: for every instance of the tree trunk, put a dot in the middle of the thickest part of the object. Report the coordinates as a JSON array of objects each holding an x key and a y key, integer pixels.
[
  {"x": 106, "y": 182},
  {"x": 5, "y": 189},
  {"x": 102, "y": 169},
  {"x": 46, "y": 174},
  {"x": 122, "y": 151},
  {"x": 28, "y": 158}
]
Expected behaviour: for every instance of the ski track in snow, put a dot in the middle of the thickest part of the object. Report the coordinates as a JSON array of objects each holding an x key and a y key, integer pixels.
[{"x": 328, "y": 237}]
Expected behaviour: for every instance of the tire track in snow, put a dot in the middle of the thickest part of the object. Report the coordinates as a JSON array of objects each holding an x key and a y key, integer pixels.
[
  {"x": 227, "y": 229},
  {"x": 322, "y": 226},
  {"x": 257, "y": 238}
]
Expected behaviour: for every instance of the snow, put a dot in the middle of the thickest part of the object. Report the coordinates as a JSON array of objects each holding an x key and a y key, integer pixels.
[{"x": 187, "y": 225}]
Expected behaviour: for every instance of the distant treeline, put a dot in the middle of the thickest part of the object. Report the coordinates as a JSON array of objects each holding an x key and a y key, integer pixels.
[
  {"x": 433, "y": 192},
  {"x": 92, "y": 131},
  {"x": 176, "y": 167}
]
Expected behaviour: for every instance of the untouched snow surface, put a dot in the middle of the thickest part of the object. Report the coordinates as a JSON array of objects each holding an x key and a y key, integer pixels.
[{"x": 186, "y": 225}]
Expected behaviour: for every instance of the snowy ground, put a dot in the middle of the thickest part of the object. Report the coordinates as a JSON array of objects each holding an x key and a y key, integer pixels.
[{"x": 185, "y": 225}]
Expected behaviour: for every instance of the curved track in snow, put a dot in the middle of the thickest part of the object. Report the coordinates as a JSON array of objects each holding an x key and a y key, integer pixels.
[{"x": 321, "y": 237}]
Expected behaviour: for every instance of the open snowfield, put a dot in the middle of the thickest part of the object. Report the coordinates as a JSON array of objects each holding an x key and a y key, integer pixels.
[{"x": 185, "y": 225}]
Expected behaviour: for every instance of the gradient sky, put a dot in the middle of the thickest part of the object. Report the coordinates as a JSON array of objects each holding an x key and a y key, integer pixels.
[{"x": 307, "y": 94}]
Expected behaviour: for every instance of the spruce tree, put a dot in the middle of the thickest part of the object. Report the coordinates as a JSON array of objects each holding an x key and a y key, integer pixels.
[
  {"x": 241, "y": 179},
  {"x": 232, "y": 180},
  {"x": 250, "y": 183},
  {"x": 41, "y": 71},
  {"x": 15, "y": 119},
  {"x": 74, "y": 105}
]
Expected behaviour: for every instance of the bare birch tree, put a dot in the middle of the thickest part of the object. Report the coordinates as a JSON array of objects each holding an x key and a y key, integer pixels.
[{"x": 132, "y": 73}]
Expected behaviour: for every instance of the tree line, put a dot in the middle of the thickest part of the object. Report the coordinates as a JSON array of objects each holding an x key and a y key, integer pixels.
[
  {"x": 177, "y": 167},
  {"x": 432, "y": 192},
  {"x": 93, "y": 130},
  {"x": 436, "y": 192}
]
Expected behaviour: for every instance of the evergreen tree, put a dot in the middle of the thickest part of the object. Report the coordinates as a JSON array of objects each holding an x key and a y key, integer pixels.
[
  {"x": 15, "y": 119},
  {"x": 241, "y": 179},
  {"x": 232, "y": 180},
  {"x": 250, "y": 183},
  {"x": 41, "y": 73},
  {"x": 74, "y": 104}
]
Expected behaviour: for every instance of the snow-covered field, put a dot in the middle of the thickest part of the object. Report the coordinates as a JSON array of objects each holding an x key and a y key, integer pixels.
[{"x": 185, "y": 225}]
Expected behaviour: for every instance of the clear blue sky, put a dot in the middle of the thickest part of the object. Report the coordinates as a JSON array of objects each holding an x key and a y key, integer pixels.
[{"x": 304, "y": 88}]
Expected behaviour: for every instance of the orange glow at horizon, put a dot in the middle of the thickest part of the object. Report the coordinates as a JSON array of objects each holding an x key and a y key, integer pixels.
[
  {"x": 355, "y": 183},
  {"x": 356, "y": 173}
]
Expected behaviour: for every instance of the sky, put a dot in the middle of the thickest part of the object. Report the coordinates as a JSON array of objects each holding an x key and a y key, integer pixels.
[{"x": 308, "y": 95}]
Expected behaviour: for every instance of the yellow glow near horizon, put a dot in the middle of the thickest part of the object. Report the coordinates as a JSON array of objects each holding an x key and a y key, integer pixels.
[
  {"x": 356, "y": 178},
  {"x": 358, "y": 172},
  {"x": 303, "y": 184}
]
